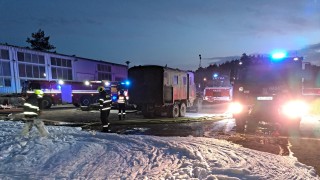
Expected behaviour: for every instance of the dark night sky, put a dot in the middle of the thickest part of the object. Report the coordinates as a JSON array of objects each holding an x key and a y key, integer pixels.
[{"x": 172, "y": 32}]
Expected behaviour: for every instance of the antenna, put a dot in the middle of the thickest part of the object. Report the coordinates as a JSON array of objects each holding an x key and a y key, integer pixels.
[{"x": 200, "y": 60}]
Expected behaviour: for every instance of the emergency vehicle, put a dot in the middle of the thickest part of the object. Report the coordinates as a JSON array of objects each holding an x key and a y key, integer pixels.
[
  {"x": 217, "y": 94},
  {"x": 77, "y": 93},
  {"x": 268, "y": 90}
]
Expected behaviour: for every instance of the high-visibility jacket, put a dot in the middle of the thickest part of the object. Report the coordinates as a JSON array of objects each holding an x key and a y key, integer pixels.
[{"x": 121, "y": 99}]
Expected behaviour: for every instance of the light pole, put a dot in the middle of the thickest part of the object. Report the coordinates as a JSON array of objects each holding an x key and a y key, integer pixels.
[{"x": 128, "y": 62}]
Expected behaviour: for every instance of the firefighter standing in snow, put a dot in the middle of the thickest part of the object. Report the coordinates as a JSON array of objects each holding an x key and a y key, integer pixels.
[
  {"x": 31, "y": 114},
  {"x": 105, "y": 106},
  {"x": 122, "y": 101}
]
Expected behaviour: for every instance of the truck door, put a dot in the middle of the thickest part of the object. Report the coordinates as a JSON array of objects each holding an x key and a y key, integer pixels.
[{"x": 66, "y": 93}]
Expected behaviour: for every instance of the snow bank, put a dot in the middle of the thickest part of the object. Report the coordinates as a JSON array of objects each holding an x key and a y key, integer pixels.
[{"x": 69, "y": 153}]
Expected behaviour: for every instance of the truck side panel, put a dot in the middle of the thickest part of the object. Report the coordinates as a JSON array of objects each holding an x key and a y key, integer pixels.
[
  {"x": 146, "y": 85},
  {"x": 178, "y": 81}
]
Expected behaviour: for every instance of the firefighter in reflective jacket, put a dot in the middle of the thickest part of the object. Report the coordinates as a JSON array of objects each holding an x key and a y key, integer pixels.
[
  {"x": 122, "y": 101},
  {"x": 105, "y": 106},
  {"x": 31, "y": 114}
]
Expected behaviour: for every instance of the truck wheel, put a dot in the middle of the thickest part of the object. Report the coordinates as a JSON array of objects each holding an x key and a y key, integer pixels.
[
  {"x": 197, "y": 105},
  {"x": 95, "y": 99},
  {"x": 32, "y": 100},
  {"x": 46, "y": 102},
  {"x": 292, "y": 128},
  {"x": 76, "y": 104},
  {"x": 173, "y": 111},
  {"x": 240, "y": 124},
  {"x": 183, "y": 110},
  {"x": 252, "y": 125},
  {"x": 85, "y": 100}
]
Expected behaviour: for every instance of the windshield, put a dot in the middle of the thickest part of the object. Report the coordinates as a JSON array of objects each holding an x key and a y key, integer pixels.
[{"x": 265, "y": 76}]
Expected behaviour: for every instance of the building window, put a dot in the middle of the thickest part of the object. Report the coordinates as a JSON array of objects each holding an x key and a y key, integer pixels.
[
  {"x": 5, "y": 69},
  {"x": 104, "y": 72},
  {"x": 61, "y": 73},
  {"x": 5, "y": 82},
  {"x": 61, "y": 62},
  {"x": 104, "y": 76},
  {"x": 30, "y": 58},
  {"x": 61, "y": 68},
  {"x": 4, "y": 54},
  {"x": 104, "y": 68},
  {"x": 175, "y": 80},
  {"x": 184, "y": 80},
  {"x": 5, "y": 74},
  {"x": 31, "y": 70}
]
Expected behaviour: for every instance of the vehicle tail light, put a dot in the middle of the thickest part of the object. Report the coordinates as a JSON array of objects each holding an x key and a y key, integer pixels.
[{"x": 294, "y": 109}]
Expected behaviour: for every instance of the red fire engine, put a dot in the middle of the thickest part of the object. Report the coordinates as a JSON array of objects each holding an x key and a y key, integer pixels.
[
  {"x": 77, "y": 93},
  {"x": 217, "y": 94}
]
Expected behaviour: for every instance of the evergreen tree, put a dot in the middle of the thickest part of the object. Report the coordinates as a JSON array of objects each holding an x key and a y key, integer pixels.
[{"x": 39, "y": 41}]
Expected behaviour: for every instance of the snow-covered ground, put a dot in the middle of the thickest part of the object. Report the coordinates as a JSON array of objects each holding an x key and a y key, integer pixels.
[{"x": 70, "y": 153}]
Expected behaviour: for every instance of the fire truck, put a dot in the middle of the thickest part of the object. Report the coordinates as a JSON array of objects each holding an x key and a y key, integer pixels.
[
  {"x": 268, "y": 90},
  {"x": 77, "y": 93},
  {"x": 217, "y": 94}
]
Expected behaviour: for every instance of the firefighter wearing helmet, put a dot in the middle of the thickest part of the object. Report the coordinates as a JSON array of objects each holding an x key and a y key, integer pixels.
[
  {"x": 122, "y": 101},
  {"x": 105, "y": 107},
  {"x": 39, "y": 94},
  {"x": 31, "y": 114}
]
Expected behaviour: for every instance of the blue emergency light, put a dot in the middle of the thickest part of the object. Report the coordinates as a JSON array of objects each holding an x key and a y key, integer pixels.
[
  {"x": 126, "y": 83},
  {"x": 278, "y": 55},
  {"x": 114, "y": 98}
]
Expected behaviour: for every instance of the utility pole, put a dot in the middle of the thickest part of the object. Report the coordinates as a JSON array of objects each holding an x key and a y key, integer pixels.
[{"x": 200, "y": 60}]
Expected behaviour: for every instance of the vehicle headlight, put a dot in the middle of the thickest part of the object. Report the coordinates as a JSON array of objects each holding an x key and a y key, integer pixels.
[
  {"x": 235, "y": 108},
  {"x": 294, "y": 109}
]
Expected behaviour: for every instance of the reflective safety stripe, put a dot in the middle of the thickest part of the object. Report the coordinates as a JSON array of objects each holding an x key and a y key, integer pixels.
[
  {"x": 121, "y": 99},
  {"x": 106, "y": 101},
  {"x": 30, "y": 113},
  {"x": 104, "y": 109},
  {"x": 123, "y": 113},
  {"x": 119, "y": 113}
]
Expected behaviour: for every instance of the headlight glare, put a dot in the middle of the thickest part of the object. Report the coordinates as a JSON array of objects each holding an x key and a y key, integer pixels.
[
  {"x": 294, "y": 109},
  {"x": 235, "y": 108}
]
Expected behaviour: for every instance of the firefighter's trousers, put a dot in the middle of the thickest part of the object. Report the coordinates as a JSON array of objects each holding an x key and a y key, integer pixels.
[
  {"x": 38, "y": 124},
  {"x": 122, "y": 111}
]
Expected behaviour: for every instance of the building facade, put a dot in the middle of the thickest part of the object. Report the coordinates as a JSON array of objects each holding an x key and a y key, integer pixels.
[{"x": 18, "y": 64}]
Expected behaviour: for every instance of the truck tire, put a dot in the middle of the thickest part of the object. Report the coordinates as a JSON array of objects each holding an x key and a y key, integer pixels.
[
  {"x": 173, "y": 111},
  {"x": 252, "y": 125},
  {"x": 32, "y": 100},
  {"x": 292, "y": 128},
  {"x": 76, "y": 104},
  {"x": 95, "y": 99},
  {"x": 240, "y": 124},
  {"x": 46, "y": 102},
  {"x": 197, "y": 105},
  {"x": 183, "y": 110},
  {"x": 85, "y": 100}
]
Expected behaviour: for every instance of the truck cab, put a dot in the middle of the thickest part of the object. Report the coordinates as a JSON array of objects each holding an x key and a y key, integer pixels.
[{"x": 268, "y": 91}]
